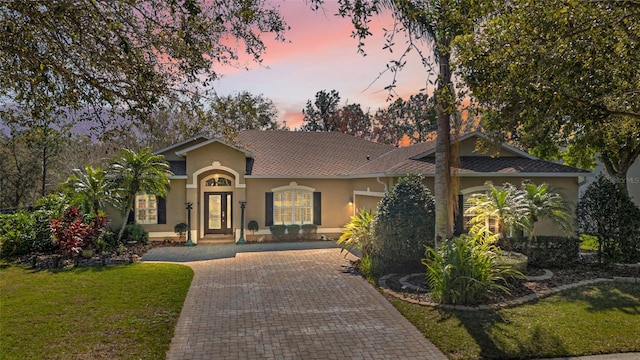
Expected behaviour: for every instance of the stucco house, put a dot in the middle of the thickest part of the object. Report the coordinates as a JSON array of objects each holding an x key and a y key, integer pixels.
[{"x": 322, "y": 178}]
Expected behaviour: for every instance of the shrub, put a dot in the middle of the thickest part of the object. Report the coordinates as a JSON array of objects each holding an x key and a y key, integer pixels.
[
  {"x": 180, "y": 229},
  {"x": 135, "y": 232},
  {"x": 73, "y": 233},
  {"x": 357, "y": 234},
  {"x": 309, "y": 231},
  {"x": 293, "y": 231},
  {"x": 465, "y": 271},
  {"x": 404, "y": 224},
  {"x": 606, "y": 211},
  {"x": 252, "y": 226},
  {"x": 16, "y": 233},
  {"x": 550, "y": 251},
  {"x": 278, "y": 231}
]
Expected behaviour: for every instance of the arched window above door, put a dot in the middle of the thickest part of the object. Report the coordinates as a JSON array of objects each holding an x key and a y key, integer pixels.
[{"x": 218, "y": 181}]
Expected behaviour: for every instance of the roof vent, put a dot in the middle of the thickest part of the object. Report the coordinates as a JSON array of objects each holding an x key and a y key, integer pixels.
[{"x": 368, "y": 157}]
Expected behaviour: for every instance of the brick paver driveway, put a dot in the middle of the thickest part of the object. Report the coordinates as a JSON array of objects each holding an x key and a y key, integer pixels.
[{"x": 290, "y": 305}]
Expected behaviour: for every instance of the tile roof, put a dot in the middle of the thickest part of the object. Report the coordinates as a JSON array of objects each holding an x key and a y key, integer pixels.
[
  {"x": 289, "y": 153},
  {"x": 393, "y": 158}
]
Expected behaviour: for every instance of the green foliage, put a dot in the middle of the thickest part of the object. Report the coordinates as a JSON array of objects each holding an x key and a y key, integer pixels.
[
  {"x": 132, "y": 173},
  {"x": 180, "y": 229},
  {"x": 137, "y": 233},
  {"x": 293, "y": 231},
  {"x": 278, "y": 232},
  {"x": 404, "y": 224},
  {"x": 607, "y": 212},
  {"x": 465, "y": 271},
  {"x": 558, "y": 75},
  {"x": 549, "y": 251},
  {"x": 141, "y": 56},
  {"x": 518, "y": 209},
  {"x": 90, "y": 189},
  {"x": 309, "y": 230},
  {"x": 252, "y": 226},
  {"x": 358, "y": 234}
]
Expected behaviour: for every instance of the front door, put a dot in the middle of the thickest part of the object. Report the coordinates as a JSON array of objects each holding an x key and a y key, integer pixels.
[{"x": 217, "y": 213}]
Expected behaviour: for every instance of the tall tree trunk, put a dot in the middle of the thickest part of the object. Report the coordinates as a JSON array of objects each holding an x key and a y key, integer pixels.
[{"x": 443, "y": 181}]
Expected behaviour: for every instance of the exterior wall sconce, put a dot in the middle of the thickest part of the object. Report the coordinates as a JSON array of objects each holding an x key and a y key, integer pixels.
[{"x": 350, "y": 201}]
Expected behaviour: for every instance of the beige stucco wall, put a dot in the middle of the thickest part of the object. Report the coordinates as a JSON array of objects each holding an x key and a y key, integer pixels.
[{"x": 176, "y": 212}]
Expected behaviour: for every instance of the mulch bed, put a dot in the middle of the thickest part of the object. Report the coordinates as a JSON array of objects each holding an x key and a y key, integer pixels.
[
  {"x": 520, "y": 287},
  {"x": 130, "y": 254}
]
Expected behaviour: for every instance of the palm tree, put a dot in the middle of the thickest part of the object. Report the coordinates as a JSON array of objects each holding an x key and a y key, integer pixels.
[
  {"x": 90, "y": 189},
  {"x": 133, "y": 173},
  {"x": 507, "y": 207},
  {"x": 544, "y": 203}
]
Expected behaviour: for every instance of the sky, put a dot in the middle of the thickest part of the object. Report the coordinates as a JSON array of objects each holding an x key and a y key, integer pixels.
[{"x": 320, "y": 54}]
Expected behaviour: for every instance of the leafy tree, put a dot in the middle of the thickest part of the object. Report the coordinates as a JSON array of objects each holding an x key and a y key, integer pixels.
[
  {"x": 133, "y": 173},
  {"x": 320, "y": 114},
  {"x": 20, "y": 171},
  {"x": 404, "y": 224},
  {"x": 90, "y": 189},
  {"x": 560, "y": 74},
  {"x": 435, "y": 24},
  {"x": 545, "y": 203},
  {"x": 415, "y": 117},
  {"x": 606, "y": 211},
  {"x": 122, "y": 57},
  {"x": 228, "y": 115}
]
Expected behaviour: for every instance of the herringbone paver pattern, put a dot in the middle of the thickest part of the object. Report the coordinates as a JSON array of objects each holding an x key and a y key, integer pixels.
[{"x": 290, "y": 305}]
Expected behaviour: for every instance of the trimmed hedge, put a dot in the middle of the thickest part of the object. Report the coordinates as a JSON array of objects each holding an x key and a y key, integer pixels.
[
  {"x": 278, "y": 231},
  {"x": 550, "y": 251}
]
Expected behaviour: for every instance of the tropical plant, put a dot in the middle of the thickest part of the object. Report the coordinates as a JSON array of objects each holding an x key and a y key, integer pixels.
[
  {"x": 506, "y": 207},
  {"x": 90, "y": 189},
  {"x": 606, "y": 212},
  {"x": 465, "y": 270},
  {"x": 404, "y": 224},
  {"x": 544, "y": 203},
  {"x": 133, "y": 173},
  {"x": 357, "y": 234},
  {"x": 136, "y": 233},
  {"x": 73, "y": 232}
]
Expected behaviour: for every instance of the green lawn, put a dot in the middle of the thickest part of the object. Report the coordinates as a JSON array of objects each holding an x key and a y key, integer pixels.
[
  {"x": 588, "y": 320},
  {"x": 111, "y": 312}
]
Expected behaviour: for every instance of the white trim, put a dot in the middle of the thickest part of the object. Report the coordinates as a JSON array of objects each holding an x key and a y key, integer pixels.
[
  {"x": 474, "y": 189},
  {"x": 292, "y": 185},
  {"x": 183, "y": 142},
  {"x": 387, "y": 175},
  {"x": 368, "y": 193},
  {"x": 163, "y": 234},
  {"x": 215, "y": 166},
  {"x": 178, "y": 177}
]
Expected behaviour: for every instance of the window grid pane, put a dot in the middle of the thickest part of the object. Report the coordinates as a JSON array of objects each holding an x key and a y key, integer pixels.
[{"x": 293, "y": 207}]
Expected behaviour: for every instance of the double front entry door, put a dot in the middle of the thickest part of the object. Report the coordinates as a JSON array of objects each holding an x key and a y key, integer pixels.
[{"x": 217, "y": 213}]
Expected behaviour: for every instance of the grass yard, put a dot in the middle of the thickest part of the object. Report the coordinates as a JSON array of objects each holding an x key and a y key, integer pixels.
[
  {"x": 598, "y": 319},
  {"x": 111, "y": 312}
]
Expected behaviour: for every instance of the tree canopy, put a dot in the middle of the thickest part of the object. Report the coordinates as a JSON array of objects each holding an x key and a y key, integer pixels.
[
  {"x": 101, "y": 58},
  {"x": 559, "y": 75}
]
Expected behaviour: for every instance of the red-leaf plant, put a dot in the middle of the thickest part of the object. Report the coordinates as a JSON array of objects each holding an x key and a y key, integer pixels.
[{"x": 73, "y": 233}]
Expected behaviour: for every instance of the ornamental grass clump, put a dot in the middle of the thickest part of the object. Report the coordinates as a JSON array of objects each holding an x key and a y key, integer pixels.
[{"x": 466, "y": 270}]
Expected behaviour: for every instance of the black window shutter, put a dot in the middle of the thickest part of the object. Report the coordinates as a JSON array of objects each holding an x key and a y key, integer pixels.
[
  {"x": 317, "y": 208},
  {"x": 162, "y": 211},
  {"x": 268, "y": 209},
  {"x": 132, "y": 216},
  {"x": 459, "y": 221}
]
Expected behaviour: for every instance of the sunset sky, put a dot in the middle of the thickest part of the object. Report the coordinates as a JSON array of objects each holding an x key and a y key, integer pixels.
[{"x": 321, "y": 55}]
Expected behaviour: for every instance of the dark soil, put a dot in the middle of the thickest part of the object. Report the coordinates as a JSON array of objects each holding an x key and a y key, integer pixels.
[{"x": 520, "y": 287}]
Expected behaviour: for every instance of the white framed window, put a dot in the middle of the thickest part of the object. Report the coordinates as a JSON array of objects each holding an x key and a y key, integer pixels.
[
  {"x": 293, "y": 205},
  {"x": 146, "y": 209}
]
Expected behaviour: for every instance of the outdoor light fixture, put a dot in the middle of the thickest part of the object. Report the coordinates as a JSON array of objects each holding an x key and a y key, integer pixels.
[
  {"x": 189, "y": 208},
  {"x": 350, "y": 201},
  {"x": 243, "y": 205}
]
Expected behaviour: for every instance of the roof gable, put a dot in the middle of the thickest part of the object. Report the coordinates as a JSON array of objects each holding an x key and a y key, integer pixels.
[
  {"x": 184, "y": 152},
  {"x": 171, "y": 149},
  {"x": 474, "y": 136}
]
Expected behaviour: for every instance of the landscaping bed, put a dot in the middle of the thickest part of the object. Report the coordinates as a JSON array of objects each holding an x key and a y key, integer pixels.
[{"x": 518, "y": 287}]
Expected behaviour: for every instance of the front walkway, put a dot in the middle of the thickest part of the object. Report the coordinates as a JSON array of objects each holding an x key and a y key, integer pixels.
[{"x": 287, "y": 305}]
